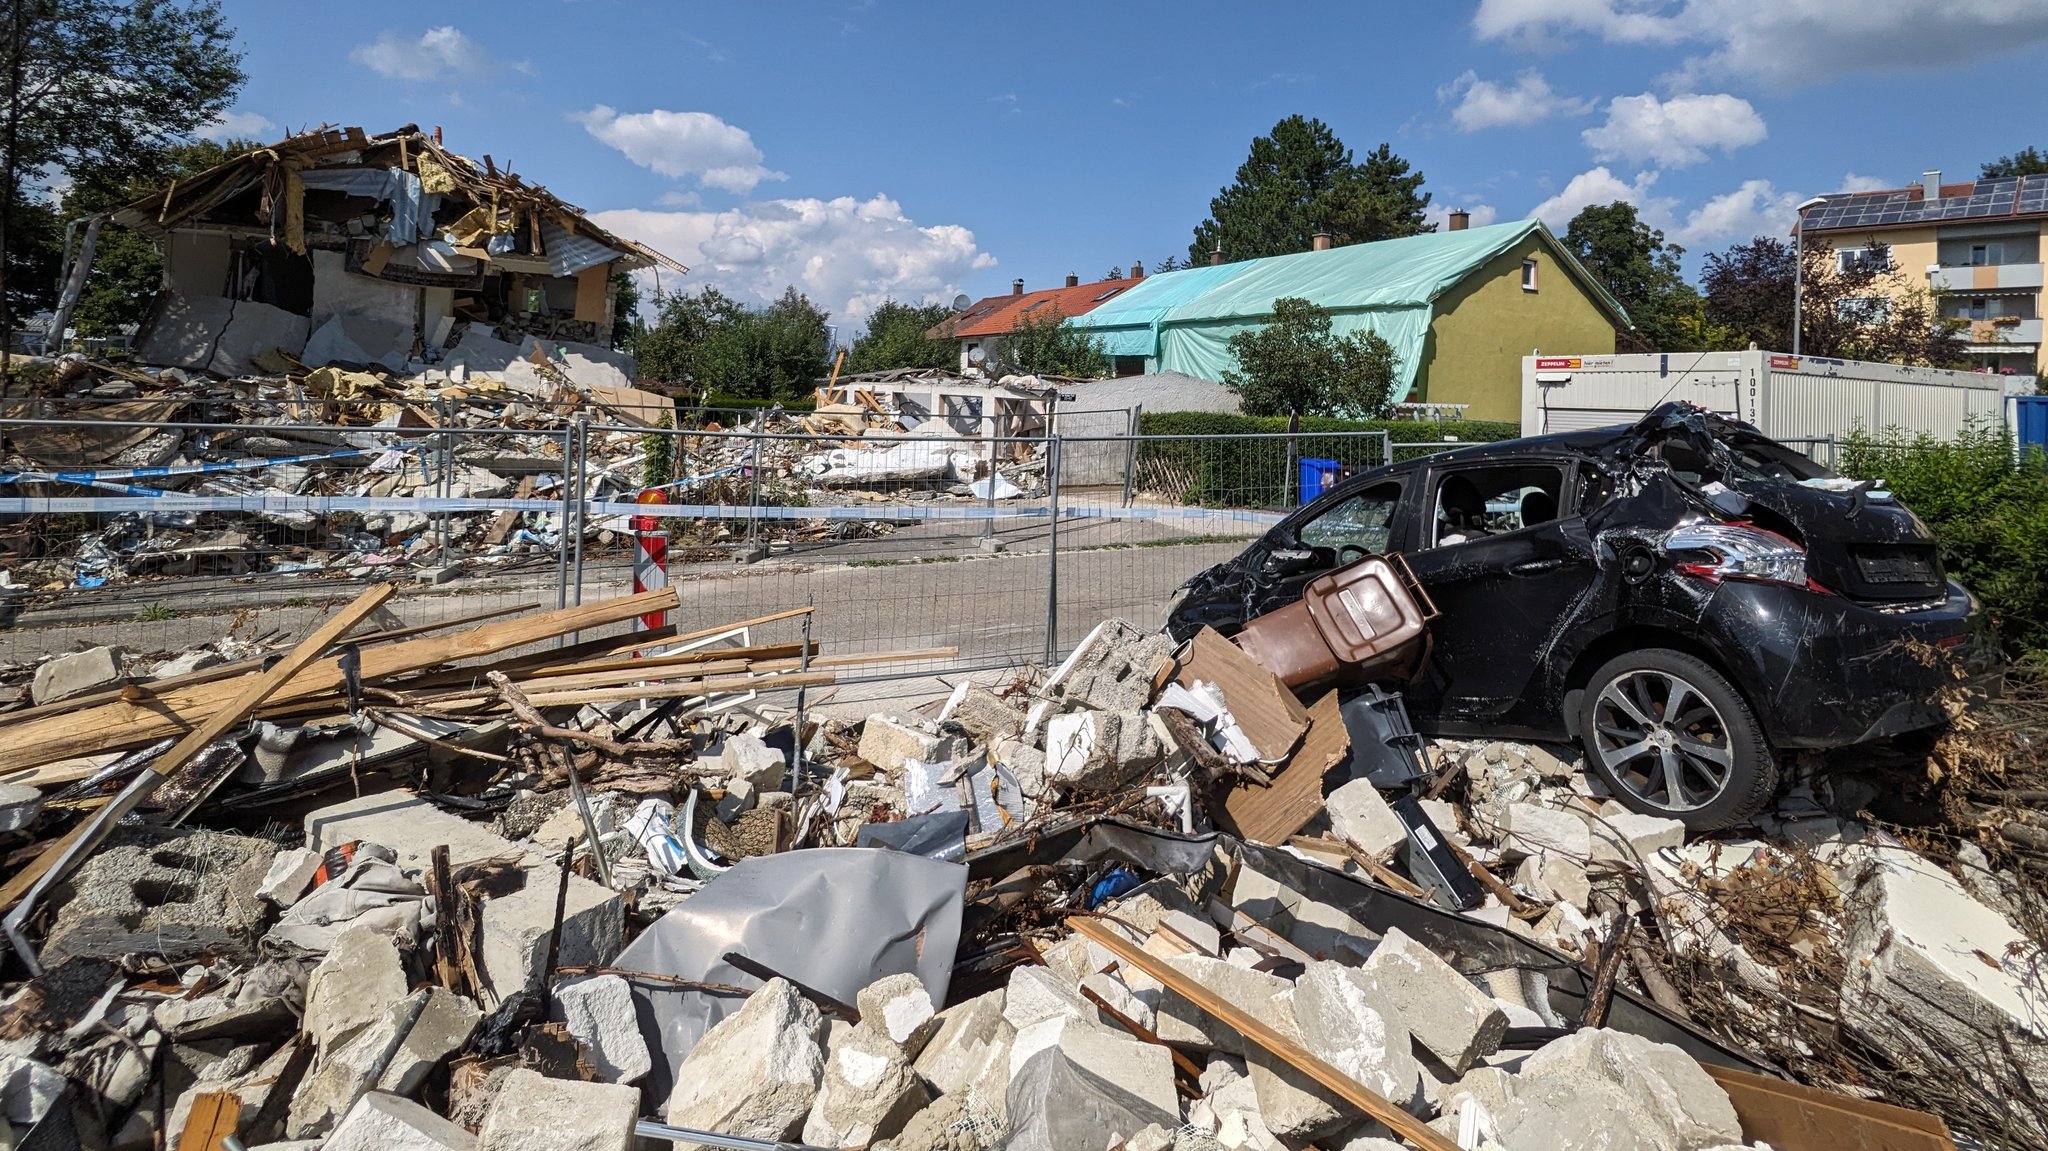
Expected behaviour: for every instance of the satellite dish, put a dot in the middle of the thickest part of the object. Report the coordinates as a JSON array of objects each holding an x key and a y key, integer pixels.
[
  {"x": 975, "y": 355},
  {"x": 960, "y": 302}
]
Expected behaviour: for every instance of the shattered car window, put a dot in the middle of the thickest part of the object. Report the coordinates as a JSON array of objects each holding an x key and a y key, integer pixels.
[
  {"x": 1360, "y": 522},
  {"x": 1481, "y": 502},
  {"x": 1747, "y": 455}
]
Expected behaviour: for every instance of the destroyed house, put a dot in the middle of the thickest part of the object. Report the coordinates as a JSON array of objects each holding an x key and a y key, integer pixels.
[{"x": 337, "y": 246}]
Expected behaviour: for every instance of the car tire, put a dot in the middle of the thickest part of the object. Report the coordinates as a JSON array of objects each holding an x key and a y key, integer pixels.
[{"x": 1706, "y": 763}]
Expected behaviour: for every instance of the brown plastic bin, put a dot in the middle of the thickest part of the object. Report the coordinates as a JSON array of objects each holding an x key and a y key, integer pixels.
[{"x": 1365, "y": 621}]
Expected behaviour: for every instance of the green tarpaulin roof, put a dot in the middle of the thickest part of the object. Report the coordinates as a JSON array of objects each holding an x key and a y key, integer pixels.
[{"x": 1186, "y": 318}]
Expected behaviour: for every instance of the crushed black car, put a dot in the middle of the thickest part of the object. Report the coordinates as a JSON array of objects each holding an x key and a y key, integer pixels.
[{"x": 1685, "y": 597}]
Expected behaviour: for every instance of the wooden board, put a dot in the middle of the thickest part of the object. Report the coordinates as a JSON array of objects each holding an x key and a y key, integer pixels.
[
  {"x": 124, "y": 725},
  {"x": 1271, "y": 814},
  {"x": 1794, "y": 1117},
  {"x": 214, "y": 1116},
  {"x": 593, "y": 292},
  {"x": 1293, "y": 1054},
  {"x": 1267, "y": 712},
  {"x": 633, "y": 406}
]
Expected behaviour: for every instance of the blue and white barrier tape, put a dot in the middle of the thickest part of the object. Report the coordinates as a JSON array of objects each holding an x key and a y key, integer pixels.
[{"x": 249, "y": 465}]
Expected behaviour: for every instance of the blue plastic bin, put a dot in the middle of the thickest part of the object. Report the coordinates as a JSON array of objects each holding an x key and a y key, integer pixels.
[
  {"x": 2030, "y": 413},
  {"x": 1318, "y": 476}
]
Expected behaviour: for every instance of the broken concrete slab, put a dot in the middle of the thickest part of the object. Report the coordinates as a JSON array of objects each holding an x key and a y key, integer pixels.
[
  {"x": 984, "y": 715},
  {"x": 380, "y": 1122},
  {"x": 517, "y": 924},
  {"x": 1666, "y": 1092},
  {"x": 756, "y": 1073},
  {"x": 1035, "y": 994},
  {"x": 1529, "y": 828},
  {"x": 1360, "y": 817},
  {"x": 219, "y": 335},
  {"x": 970, "y": 1037},
  {"x": 599, "y": 1013},
  {"x": 175, "y": 895},
  {"x": 291, "y": 872},
  {"x": 394, "y": 1052},
  {"x": 745, "y": 757},
  {"x": 1140, "y": 1008},
  {"x": 77, "y": 673},
  {"x": 535, "y": 1113},
  {"x": 868, "y": 1092},
  {"x": 20, "y": 804},
  {"x": 1552, "y": 877},
  {"x": 1352, "y": 1025},
  {"x": 889, "y": 742},
  {"x": 1181, "y": 1022},
  {"x": 1113, "y": 669},
  {"x": 1444, "y": 1011},
  {"x": 1625, "y": 837},
  {"x": 358, "y": 983},
  {"x": 1101, "y": 750},
  {"x": 1131, "y": 1065},
  {"x": 900, "y": 1007},
  {"x": 1056, "y": 1104},
  {"x": 1293, "y": 1106}
]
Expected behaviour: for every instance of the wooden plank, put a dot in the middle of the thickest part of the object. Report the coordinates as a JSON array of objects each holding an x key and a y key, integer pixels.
[
  {"x": 261, "y": 686},
  {"x": 504, "y": 523},
  {"x": 1293, "y": 1054},
  {"x": 1271, "y": 814},
  {"x": 685, "y": 689},
  {"x": 213, "y": 1119},
  {"x": 1794, "y": 1117},
  {"x": 679, "y": 659},
  {"x": 121, "y": 724},
  {"x": 592, "y": 289}
]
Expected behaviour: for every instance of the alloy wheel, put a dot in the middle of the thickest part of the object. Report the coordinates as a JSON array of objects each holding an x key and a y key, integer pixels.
[{"x": 1662, "y": 740}]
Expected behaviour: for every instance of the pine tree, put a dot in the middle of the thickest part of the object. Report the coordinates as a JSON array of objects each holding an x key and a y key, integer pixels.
[{"x": 1300, "y": 180}]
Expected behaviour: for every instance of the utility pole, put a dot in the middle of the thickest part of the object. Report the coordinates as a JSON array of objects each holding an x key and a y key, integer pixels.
[{"x": 1799, "y": 267}]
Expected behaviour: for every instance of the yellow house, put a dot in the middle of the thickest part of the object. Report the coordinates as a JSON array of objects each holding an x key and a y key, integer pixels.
[
  {"x": 1977, "y": 245},
  {"x": 1460, "y": 308}
]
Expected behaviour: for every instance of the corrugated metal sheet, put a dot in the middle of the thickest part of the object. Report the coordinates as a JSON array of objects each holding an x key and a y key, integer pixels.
[{"x": 569, "y": 253}]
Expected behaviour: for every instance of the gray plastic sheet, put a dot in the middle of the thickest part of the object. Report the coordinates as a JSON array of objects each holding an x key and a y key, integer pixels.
[{"x": 834, "y": 919}]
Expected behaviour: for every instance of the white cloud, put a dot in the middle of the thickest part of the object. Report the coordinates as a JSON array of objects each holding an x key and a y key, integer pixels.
[
  {"x": 1440, "y": 214},
  {"x": 437, "y": 54},
  {"x": 1600, "y": 186},
  {"x": 1784, "y": 42},
  {"x": 679, "y": 144},
  {"x": 847, "y": 255},
  {"x": 1757, "y": 208},
  {"x": 1484, "y": 104},
  {"x": 1851, "y": 182},
  {"x": 238, "y": 126},
  {"x": 1673, "y": 132}
]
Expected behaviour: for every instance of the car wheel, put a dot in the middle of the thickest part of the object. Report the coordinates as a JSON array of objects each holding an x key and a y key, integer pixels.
[{"x": 1672, "y": 738}]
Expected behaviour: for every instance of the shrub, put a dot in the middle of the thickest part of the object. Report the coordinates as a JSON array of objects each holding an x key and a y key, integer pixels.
[
  {"x": 1988, "y": 513},
  {"x": 1235, "y": 470}
]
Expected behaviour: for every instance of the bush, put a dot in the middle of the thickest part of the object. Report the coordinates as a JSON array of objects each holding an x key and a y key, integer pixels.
[
  {"x": 1243, "y": 472},
  {"x": 1988, "y": 513}
]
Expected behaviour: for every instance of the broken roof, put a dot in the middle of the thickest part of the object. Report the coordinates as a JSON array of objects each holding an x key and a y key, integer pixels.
[
  {"x": 404, "y": 167},
  {"x": 1000, "y": 315}
]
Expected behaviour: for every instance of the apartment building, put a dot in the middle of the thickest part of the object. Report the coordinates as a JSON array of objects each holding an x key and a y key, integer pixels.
[{"x": 1978, "y": 243}]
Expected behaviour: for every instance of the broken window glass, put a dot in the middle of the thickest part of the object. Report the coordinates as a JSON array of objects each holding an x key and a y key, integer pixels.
[{"x": 1359, "y": 522}]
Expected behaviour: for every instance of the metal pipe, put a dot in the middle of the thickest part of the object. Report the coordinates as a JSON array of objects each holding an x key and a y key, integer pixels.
[
  {"x": 1798, "y": 274},
  {"x": 1052, "y": 553},
  {"x": 649, "y": 1129},
  {"x": 562, "y": 532},
  {"x": 1131, "y": 451},
  {"x": 582, "y": 478}
]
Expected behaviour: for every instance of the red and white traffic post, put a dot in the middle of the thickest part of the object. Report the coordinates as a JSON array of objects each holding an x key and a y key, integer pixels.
[{"x": 650, "y": 557}]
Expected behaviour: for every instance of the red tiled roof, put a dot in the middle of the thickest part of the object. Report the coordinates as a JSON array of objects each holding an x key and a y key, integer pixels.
[{"x": 1000, "y": 315}]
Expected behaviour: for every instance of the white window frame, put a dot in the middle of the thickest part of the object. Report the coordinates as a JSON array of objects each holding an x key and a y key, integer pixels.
[{"x": 1529, "y": 273}]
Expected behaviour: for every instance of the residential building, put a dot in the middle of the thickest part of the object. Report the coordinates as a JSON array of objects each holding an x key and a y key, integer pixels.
[
  {"x": 980, "y": 326},
  {"x": 1978, "y": 244},
  {"x": 1460, "y": 307}
]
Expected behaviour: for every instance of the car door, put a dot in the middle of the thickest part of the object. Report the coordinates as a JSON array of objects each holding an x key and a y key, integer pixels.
[
  {"x": 1349, "y": 527},
  {"x": 1502, "y": 580}
]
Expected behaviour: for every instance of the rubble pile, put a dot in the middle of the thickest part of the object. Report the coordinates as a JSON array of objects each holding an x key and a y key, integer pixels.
[
  {"x": 464, "y": 889},
  {"x": 506, "y": 409}
]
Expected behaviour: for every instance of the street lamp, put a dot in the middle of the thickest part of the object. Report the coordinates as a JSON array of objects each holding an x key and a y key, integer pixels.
[{"x": 1799, "y": 266}]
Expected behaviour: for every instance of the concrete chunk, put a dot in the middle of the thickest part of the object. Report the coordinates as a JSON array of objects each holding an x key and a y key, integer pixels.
[
  {"x": 1531, "y": 828},
  {"x": 20, "y": 804},
  {"x": 1666, "y": 1093},
  {"x": 535, "y": 1113},
  {"x": 416, "y": 1033},
  {"x": 1293, "y": 1106},
  {"x": 599, "y": 1013},
  {"x": 756, "y": 1073},
  {"x": 889, "y": 742},
  {"x": 868, "y": 1091},
  {"x": 380, "y": 1122},
  {"x": 1139, "y": 1008},
  {"x": 1361, "y": 818},
  {"x": 78, "y": 673},
  {"x": 970, "y": 1036},
  {"x": 899, "y": 1006},
  {"x": 1350, "y": 1024},
  {"x": 358, "y": 983},
  {"x": 175, "y": 896},
  {"x": 1626, "y": 837},
  {"x": 1143, "y": 1070},
  {"x": 291, "y": 872},
  {"x": 745, "y": 757},
  {"x": 1056, "y": 1104},
  {"x": 1553, "y": 877},
  {"x": 1445, "y": 1012},
  {"x": 984, "y": 715},
  {"x": 1180, "y": 1021},
  {"x": 1035, "y": 993}
]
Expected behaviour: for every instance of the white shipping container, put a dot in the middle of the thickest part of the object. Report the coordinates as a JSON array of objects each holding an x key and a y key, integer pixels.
[{"x": 1786, "y": 397}]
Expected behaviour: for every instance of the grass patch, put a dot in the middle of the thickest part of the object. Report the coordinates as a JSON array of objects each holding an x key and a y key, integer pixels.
[{"x": 153, "y": 613}]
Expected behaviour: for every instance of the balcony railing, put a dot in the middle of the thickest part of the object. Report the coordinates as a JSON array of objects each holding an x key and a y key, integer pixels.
[{"x": 1986, "y": 277}]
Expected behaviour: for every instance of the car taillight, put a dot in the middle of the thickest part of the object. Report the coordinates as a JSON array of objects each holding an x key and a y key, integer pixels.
[{"x": 1740, "y": 552}]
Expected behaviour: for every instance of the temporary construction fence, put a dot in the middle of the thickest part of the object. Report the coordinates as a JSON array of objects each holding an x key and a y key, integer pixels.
[{"x": 952, "y": 552}]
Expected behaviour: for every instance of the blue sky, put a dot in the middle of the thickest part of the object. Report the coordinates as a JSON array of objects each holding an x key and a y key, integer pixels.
[{"x": 867, "y": 149}]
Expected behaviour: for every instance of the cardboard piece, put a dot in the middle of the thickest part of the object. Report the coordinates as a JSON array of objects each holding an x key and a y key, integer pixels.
[
  {"x": 1265, "y": 710},
  {"x": 633, "y": 406},
  {"x": 1794, "y": 1117},
  {"x": 1271, "y": 814},
  {"x": 593, "y": 287}
]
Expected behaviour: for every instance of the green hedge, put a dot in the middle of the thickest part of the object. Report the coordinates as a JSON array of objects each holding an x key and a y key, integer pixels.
[
  {"x": 1255, "y": 473},
  {"x": 1988, "y": 512}
]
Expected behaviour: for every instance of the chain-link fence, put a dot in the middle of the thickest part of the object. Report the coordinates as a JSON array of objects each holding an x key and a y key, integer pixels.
[{"x": 921, "y": 553}]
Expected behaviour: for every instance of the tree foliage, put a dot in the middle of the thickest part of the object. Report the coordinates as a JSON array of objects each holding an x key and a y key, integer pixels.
[
  {"x": 1295, "y": 365},
  {"x": 625, "y": 308},
  {"x": 1048, "y": 344},
  {"x": 105, "y": 86},
  {"x": 709, "y": 342},
  {"x": 1640, "y": 269},
  {"x": 1861, "y": 309},
  {"x": 2025, "y": 162},
  {"x": 1300, "y": 180},
  {"x": 896, "y": 339}
]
